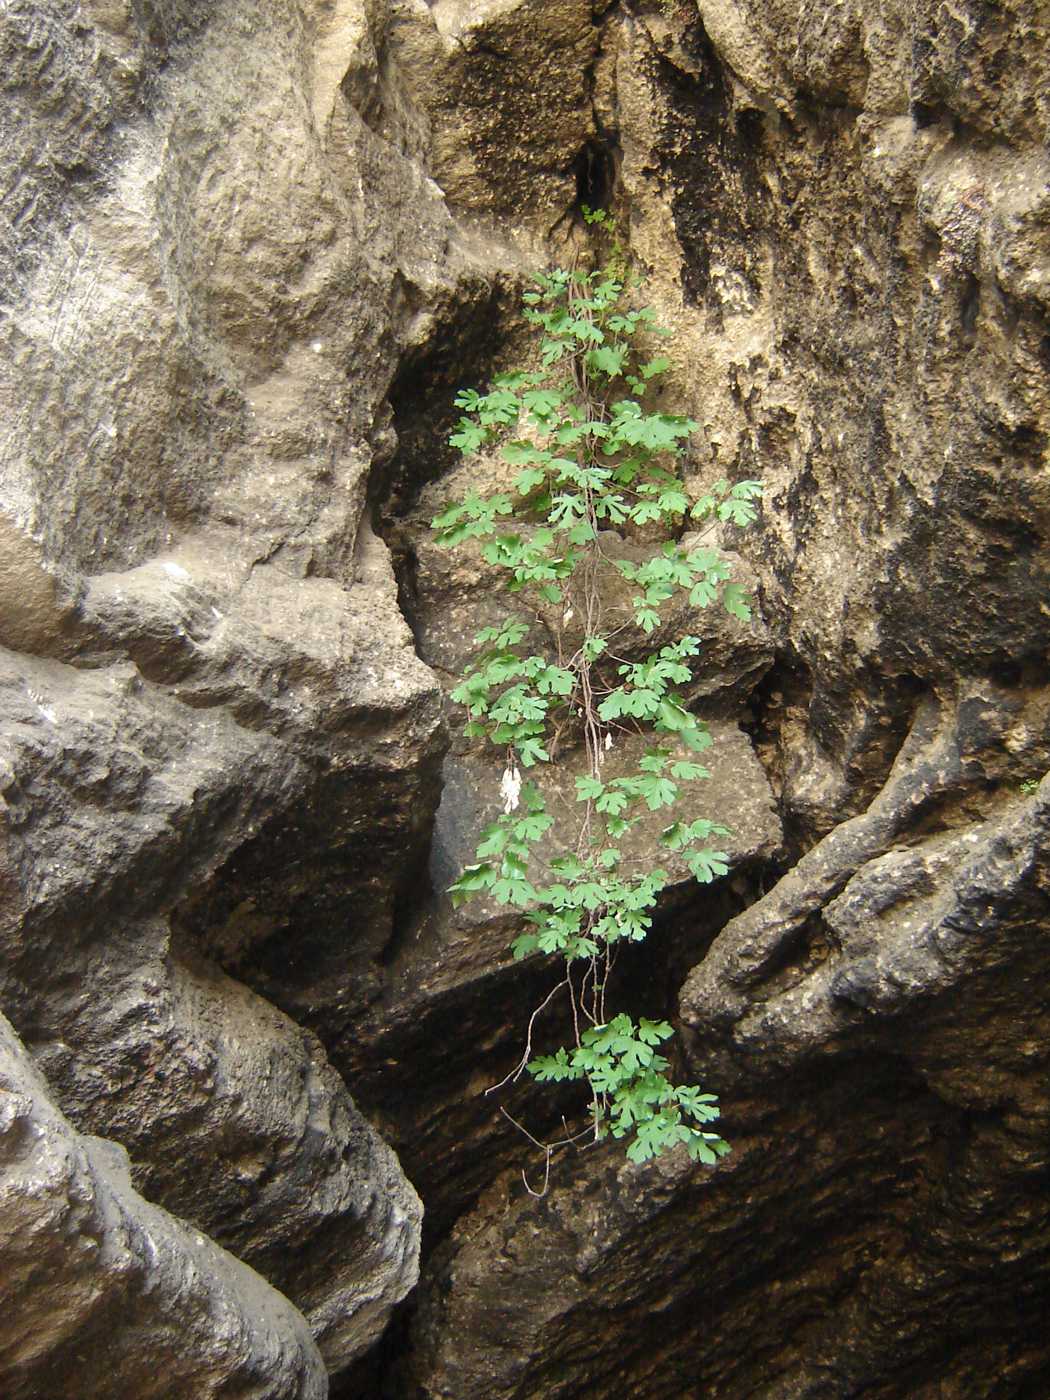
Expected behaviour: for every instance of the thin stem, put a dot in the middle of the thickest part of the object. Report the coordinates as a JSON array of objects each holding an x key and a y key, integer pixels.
[
  {"x": 547, "y": 1148},
  {"x": 516, "y": 1073}
]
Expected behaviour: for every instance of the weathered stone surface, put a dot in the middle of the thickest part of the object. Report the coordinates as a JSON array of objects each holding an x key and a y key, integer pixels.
[
  {"x": 231, "y": 1114},
  {"x": 450, "y": 979},
  {"x": 506, "y": 88},
  {"x": 842, "y": 214},
  {"x": 35, "y": 607},
  {"x": 453, "y": 982},
  {"x": 843, "y": 269},
  {"x": 104, "y": 1294},
  {"x": 866, "y": 927},
  {"x": 455, "y": 593},
  {"x": 956, "y": 748},
  {"x": 888, "y": 1107},
  {"x": 242, "y": 248},
  {"x": 203, "y": 299}
]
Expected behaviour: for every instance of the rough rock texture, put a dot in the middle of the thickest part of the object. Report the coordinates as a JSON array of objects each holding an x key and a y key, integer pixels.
[
  {"x": 505, "y": 88},
  {"x": 851, "y": 208},
  {"x": 843, "y": 215},
  {"x": 202, "y": 309},
  {"x": 107, "y": 1293},
  {"x": 247, "y": 255},
  {"x": 454, "y": 984},
  {"x": 452, "y": 594},
  {"x": 231, "y": 1114},
  {"x": 878, "y": 1026}
]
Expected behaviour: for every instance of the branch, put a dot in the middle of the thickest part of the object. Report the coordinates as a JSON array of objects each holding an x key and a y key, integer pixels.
[{"x": 516, "y": 1073}]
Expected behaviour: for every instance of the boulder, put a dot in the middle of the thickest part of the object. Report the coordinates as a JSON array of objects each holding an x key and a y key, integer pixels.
[{"x": 106, "y": 1294}]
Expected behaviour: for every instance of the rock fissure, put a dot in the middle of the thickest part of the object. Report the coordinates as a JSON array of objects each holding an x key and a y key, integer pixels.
[{"x": 247, "y": 256}]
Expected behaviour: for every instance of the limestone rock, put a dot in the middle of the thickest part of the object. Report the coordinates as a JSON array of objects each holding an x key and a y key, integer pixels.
[
  {"x": 455, "y": 593},
  {"x": 203, "y": 298},
  {"x": 841, "y": 211},
  {"x": 247, "y": 254},
  {"x": 876, "y": 919},
  {"x": 452, "y": 980},
  {"x": 506, "y": 89},
  {"x": 858, "y": 301},
  {"x": 876, "y": 1034},
  {"x": 36, "y": 606},
  {"x": 231, "y": 1114},
  {"x": 105, "y": 1294}
]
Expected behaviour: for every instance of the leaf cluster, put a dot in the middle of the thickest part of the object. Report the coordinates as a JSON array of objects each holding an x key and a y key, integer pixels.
[
  {"x": 625, "y": 1072},
  {"x": 592, "y": 454}
]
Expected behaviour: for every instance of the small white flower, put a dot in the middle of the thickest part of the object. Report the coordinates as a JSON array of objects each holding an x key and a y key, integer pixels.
[
  {"x": 510, "y": 789},
  {"x": 606, "y": 746}
]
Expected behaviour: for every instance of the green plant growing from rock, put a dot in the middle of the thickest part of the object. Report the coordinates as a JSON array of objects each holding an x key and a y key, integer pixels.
[
  {"x": 617, "y": 260},
  {"x": 593, "y": 461}
]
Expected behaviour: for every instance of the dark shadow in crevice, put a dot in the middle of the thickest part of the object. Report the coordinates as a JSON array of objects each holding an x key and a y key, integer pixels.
[
  {"x": 791, "y": 705},
  {"x": 713, "y": 160},
  {"x": 786, "y": 687},
  {"x": 460, "y": 349},
  {"x": 595, "y": 172}
]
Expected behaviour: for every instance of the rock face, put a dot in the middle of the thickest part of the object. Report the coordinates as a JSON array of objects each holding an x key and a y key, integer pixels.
[
  {"x": 203, "y": 652},
  {"x": 106, "y": 1292},
  {"x": 247, "y": 255},
  {"x": 843, "y": 254},
  {"x": 885, "y": 1195}
]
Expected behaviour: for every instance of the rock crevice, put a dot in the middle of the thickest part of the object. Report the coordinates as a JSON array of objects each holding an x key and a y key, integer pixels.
[{"x": 247, "y": 256}]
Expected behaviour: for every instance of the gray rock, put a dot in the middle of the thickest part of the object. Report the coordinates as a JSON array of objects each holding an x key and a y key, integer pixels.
[
  {"x": 842, "y": 214},
  {"x": 203, "y": 296},
  {"x": 105, "y": 1294},
  {"x": 505, "y": 93},
  {"x": 457, "y": 593},
  {"x": 451, "y": 980},
  {"x": 231, "y": 1114},
  {"x": 229, "y": 233},
  {"x": 953, "y": 750}
]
